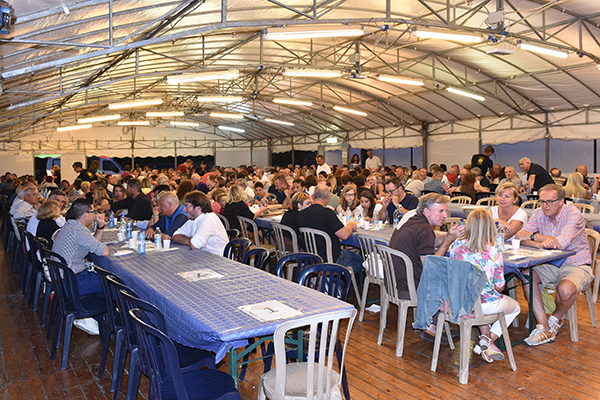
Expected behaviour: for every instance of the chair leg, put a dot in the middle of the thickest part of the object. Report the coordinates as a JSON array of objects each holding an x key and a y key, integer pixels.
[
  {"x": 67, "y": 341},
  {"x": 448, "y": 334},
  {"x": 56, "y": 338},
  {"x": 35, "y": 293},
  {"x": 572, "y": 314},
  {"x": 513, "y": 294},
  {"x": 465, "y": 351},
  {"x": 105, "y": 339},
  {"x": 117, "y": 356},
  {"x": 363, "y": 301},
  {"x": 356, "y": 292},
  {"x": 588, "y": 295},
  {"x": 135, "y": 371},
  {"x": 402, "y": 317},
  {"x": 52, "y": 316},
  {"x": 47, "y": 296},
  {"x": 384, "y": 305},
  {"x": 119, "y": 369},
  {"x": 507, "y": 344},
  {"x": 596, "y": 284},
  {"x": 438, "y": 341}
]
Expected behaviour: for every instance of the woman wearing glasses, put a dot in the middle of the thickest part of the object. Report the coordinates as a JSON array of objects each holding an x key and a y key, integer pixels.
[{"x": 348, "y": 199}]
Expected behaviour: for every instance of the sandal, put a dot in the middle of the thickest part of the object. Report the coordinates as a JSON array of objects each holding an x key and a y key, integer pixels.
[{"x": 489, "y": 351}]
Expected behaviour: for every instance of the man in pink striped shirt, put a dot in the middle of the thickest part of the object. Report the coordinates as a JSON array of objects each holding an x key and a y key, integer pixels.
[{"x": 556, "y": 226}]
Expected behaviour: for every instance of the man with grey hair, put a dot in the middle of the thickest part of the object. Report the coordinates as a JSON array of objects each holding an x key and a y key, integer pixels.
[
  {"x": 415, "y": 184},
  {"x": 19, "y": 195},
  {"x": 416, "y": 238},
  {"x": 28, "y": 206},
  {"x": 537, "y": 176},
  {"x": 511, "y": 177},
  {"x": 260, "y": 176},
  {"x": 318, "y": 216},
  {"x": 556, "y": 226},
  {"x": 172, "y": 217},
  {"x": 198, "y": 184}
]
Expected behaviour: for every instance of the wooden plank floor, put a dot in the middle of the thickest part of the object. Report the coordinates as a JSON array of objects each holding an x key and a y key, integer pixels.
[{"x": 559, "y": 370}]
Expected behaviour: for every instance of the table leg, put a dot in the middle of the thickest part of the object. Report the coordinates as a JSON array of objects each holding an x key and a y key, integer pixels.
[{"x": 235, "y": 357}]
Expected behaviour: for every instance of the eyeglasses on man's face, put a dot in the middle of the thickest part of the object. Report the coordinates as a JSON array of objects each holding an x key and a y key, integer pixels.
[{"x": 548, "y": 202}]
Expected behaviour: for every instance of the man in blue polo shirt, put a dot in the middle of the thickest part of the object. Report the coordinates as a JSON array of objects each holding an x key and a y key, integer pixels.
[{"x": 172, "y": 217}]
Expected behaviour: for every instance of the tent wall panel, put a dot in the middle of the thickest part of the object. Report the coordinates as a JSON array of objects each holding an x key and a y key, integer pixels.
[
  {"x": 19, "y": 164},
  {"x": 451, "y": 149}
]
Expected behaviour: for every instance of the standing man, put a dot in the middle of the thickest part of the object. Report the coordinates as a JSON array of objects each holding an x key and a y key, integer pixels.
[
  {"x": 397, "y": 198},
  {"x": 556, "y": 226},
  {"x": 318, "y": 216},
  {"x": 321, "y": 166},
  {"x": 172, "y": 217},
  {"x": 416, "y": 238},
  {"x": 84, "y": 174},
  {"x": 186, "y": 167},
  {"x": 372, "y": 162},
  {"x": 204, "y": 230},
  {"x": 537, "y": 176},
  {"x": 483, "y": 161}
]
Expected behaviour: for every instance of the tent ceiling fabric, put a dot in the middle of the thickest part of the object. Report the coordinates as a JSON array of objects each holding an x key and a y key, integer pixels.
[{"x": 66, "y": 60}]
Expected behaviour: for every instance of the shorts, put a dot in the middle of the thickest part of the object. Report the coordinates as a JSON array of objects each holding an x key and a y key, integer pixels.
[{"x": 550, "y": 275}]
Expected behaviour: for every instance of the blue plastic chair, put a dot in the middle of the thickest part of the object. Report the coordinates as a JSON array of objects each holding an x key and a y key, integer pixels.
[
  {"x": 190, "y": 359},
  {"x": 298, "y": 260},
  {"x": 232, "y": 233},
  {"x": 167, "y": 380},
  {"x": 36, "y": 272},
  {"x": 260, "y": 256},
  {"x": 235, "y": 249},
  {"x": 71, "y": 306},
  {"x": 49, "y": 289},
  {"x": 331, "y": 279}
]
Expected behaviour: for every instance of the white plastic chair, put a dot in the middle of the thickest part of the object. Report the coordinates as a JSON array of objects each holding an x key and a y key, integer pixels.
[
  {"x": 310, "y": 242},
  {"x": 244, "y": 224},
  {"x": 487, "y": 201},
  {"x": 461, "y": 199},
  {"x": 284, "y": 234},
  {"x": 533, "y": 204},
  {"x": 373, "y": 267},
  {"x": 391, "y": 294},
  {"x": 294, "y": 381},
  {"x": 224, "y": 220},
  {"x": 584, "y": 208}
]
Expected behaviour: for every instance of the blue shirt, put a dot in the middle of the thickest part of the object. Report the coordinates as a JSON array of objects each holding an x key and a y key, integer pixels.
[{"x": 168, "y": 225}]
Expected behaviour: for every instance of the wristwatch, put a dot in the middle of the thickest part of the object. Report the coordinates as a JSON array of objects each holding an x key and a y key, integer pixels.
[{"x": 532, "y": 236}]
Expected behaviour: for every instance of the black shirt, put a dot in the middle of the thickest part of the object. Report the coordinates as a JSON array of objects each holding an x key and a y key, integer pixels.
[
  {"x": 138, "y": 208},
  {"x": 231, "y": 212},
  {"x": 46, "y": 229},
  {"x": 322, "y": 218},
  {"x": 290, "y": 218},
  {"x": 415, "y": 239},
  {"x": 481, "y": 161},
  {"x": 86, "y": 175},
  {"x": 279, "y": 195},
  {"x": 542, "y": 177}
]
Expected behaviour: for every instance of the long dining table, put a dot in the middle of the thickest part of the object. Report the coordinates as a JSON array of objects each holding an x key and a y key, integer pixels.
[{"x": 202, "y": 294}]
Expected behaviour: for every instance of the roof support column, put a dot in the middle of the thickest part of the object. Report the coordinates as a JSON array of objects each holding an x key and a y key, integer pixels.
[
  {"x": 223, "y": 11},
  {"x": 479, "y": 144},
  {"x": 425, "y": 138},
  {"x": 251, "y": 152},
  {"x": 269, "y": 152},
  {"x": 383, "y": 145},
  {"x": 547, "y": 142}
]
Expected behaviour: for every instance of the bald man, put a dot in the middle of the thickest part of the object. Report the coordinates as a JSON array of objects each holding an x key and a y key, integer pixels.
[{"x": 172, "y": 217}]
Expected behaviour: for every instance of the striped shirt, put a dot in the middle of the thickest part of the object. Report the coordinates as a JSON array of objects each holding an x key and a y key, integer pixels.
[
  {"x": 74, "y": 242},
  {"x": 569, "y": 231}
]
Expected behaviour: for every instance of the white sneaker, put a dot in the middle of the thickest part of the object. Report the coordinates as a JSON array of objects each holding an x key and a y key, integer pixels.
[
  {"x": 540, "y": 336},
  {"x": 88, "y": 325}
]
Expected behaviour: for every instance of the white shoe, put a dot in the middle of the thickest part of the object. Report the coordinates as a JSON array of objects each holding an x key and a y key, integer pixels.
[{"x": 88, "y": 325}]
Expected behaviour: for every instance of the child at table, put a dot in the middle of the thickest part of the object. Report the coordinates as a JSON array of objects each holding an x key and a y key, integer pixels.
[{"x": 477, "y": 247}]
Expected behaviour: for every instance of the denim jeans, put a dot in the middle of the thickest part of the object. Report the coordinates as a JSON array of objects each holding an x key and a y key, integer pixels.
[
  {"x": 88, "y": 283},
  {"x": 351, "y": 259}
]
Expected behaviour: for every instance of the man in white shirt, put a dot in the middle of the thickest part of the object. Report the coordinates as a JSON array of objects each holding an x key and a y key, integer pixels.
[
  {"x": 262, "y": 177},
  {"x": 321, "y": 166},
  {"x": 415, "y": 184},
  {"x": 204, "y": 230},
  {"x": 372, "y": 162},
  {"x": 27, "y": 207}
]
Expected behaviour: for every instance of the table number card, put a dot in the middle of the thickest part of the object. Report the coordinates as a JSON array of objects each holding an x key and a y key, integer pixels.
[
  {"x": 269, "y": 310},
  {"x": 200, "y": 275}
]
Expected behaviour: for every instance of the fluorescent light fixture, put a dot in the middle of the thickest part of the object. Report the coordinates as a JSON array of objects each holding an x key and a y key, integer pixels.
[
  {"x": 544, "y": 50},
  {"x": 226, "y": 115},
  {"x": 73, "y": 127},
  {"x": 466, "y": 94},
  {"x": 229, "y": 128},
  {"x": 400, "y": 80},
  {"x": 99, "y": 118},
  {"x": 350, "y": 111},
  {"x": 159, "y": 114},
  {"x": 277, "y": 121},
  {"x": 315, "y": 31},
  {"x": 183, "y": 123},
  {"x": 292, "y": 102},
  {"x": 133, "y": 123},
  {"x": 203, "y": 76},
  {"x": 219, "y": 99},
  {"x": 332, "y": 140},
  {"x": 135, "y": 103},
  {"x": 312, "y": 73},
  {"x": 456, "y": 37},
  {"x": 598, "y": 66}
]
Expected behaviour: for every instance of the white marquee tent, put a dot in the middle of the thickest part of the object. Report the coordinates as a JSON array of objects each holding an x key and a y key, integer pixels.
[{"x": 66, "y": 60}]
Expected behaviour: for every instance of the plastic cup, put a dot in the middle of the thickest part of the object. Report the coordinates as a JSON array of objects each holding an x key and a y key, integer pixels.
[
  {"x": 516, "y": 245},
  {"x": 120, "y": 236},
  {"x": 166, "y": 244},
  {"x": 132, "y": 243}
]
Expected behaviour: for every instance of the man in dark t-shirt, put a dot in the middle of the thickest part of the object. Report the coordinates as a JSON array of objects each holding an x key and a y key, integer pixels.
[
  {"x": 397, "y": 198},
  {"x": 483, "y": 161},
  {"x": 84, "y": 174},
  {"x": 537, "y": 176},
  {"x": 318, "y": 216},
  {"x": 416, "y": 238}
]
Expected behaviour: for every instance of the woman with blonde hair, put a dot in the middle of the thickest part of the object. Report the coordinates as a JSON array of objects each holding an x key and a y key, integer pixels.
[
  {"x": 375, "y": 185},
  {"x": 47, "y": 214},
  {"x": 236, "y": 205},
  {"x": 348, "y": 199},
  {"x": 507, "y": 213},
  {"x": 100, "y": 197},
  {"x": 574, "y": 187},
  {"x": 478, "y": 248}
]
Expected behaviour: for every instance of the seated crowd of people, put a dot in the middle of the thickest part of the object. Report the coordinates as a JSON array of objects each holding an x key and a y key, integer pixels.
[{"x": 183, "y": 204}]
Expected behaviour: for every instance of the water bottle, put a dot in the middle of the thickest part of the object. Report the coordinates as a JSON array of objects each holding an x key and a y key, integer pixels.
[
  {"x": 397, "y": 217},
  {"x": 142, "y": 242},
  {"x": 348, "y": 215},
  {"x": 157, "y": 239},
  {"x": 500, "y": 236},
  {"x": 376, "y": 220},
  {"x": 129, "y": 228},
  {"x": 111, "y": 219}
]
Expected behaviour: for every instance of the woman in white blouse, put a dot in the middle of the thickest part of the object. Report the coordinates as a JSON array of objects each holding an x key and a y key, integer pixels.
[
  {"x": 507, "y": 213},
  {"x": 368, "y": 208}
]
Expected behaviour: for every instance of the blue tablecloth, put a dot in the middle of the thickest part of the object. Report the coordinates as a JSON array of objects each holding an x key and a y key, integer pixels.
[{"x": 205, "y": 314}]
